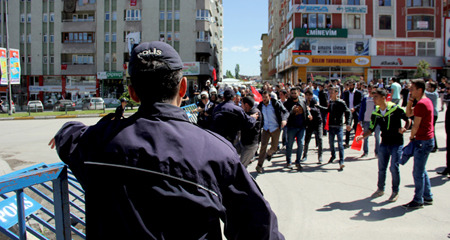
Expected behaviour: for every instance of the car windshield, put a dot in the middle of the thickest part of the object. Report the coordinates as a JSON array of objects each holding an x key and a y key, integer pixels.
[{"x": 97, "y": 100}]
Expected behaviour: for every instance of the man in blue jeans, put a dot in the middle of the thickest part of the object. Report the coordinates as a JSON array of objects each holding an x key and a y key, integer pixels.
[
  {"x": 365, "y": 113},
  {"x": 422, "y": 133},
  {"x": 387, "y": 117}
]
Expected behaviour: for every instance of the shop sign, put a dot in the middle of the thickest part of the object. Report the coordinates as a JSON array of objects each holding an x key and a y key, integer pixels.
[
  {"x": 401, "y": 62},
  {"x": 110, "y": 75},
  {"x": 81, "y": 88},
  {"x": 322, "y": 46},
  {"x": 321, "y": 32},
  {"x": 309, "y": 8},
  {"x": 14, "y": 66},
  {"x": 332, "y": 61},
  {"x": 396, "y": 48},
  {"x": 45, "y": 88},
  {"x": 191, "y": 68}
]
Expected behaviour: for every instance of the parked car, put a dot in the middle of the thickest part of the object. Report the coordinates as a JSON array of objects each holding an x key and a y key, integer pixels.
[
  {"x": 5, "y": 106},
  {"x": 61, "y": 105},
  {"x": 35, "y": 106},
  {"x": 93, "y": 103}
]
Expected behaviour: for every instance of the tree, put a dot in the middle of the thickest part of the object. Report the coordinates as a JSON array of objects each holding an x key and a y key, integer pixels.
[
  {"x": 236, "y": 70},
  {"x": 422, "y": 69},
  {"x": 229, "y": 74},
  {"x": 126, "y": 95}
]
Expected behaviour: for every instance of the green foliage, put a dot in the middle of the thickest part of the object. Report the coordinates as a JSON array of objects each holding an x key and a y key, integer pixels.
[
  {"x": 422, "y": 69},
  {"x": 228, "y": 74},
  {"x": 126, "y": 95},
  {"x": 237, "y": 70}
]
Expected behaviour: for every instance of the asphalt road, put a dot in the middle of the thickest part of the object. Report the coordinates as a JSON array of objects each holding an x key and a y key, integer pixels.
[{"x": 318, "y": 203}]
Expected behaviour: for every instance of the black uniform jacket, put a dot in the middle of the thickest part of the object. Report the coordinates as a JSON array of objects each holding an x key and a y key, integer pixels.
[{"x": 155, "y": 175}]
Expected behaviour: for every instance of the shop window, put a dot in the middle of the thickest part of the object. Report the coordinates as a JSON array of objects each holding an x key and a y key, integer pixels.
[
  {"x": 385, "y": 22},
  {"x": 420, "y": 22},
  {"x": 426, "y": 49},
  {"x": 316, "y": 20},
  {"x": 420, "y": 3},
  {"x": 384, "y": 3},
  {"x": 354, "y": 21}
]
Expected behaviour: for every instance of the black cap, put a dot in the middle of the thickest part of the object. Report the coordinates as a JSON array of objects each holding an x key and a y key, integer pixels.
[
  {"x": 123, "y": 100},
  {"x": 156, "y": 50},
  {"x": 228, "y": 94}
]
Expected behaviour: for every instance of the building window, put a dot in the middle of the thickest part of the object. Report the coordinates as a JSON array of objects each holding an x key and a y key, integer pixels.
[
  {"x": 106, "y": 36},
  {"x": 385, "y": 22},
  {"x": 106, "y": 57},
  {"x": 22, "y": 17},
  {"x": 29, "y": 38},
  {"x": 82, "y": 59},
  {"x": 420, "y": 3},
  {"x": 354, "y": 21},
  {"x": 114, "y": 37},
  {"x": 22, "y": 38},
  {"x": 177, "y": 15},
  {"x": 176, "y": 36},
  {"x": 161, "y": 15},
  {"x": 106, "y": 16},
  {"x": 384, "y": 3},
  {"x": 125, "y": 34},
  {"x": 45, "y": 38},
  {"x": 169, "y": 15},
  {"x": 29, "y": 17},
  {"x": 52, "y": 59},
  {"x": 114, "y": 15},
  {"x": 52, "y": 17},
  {"x": 44, "y": 59},
  {"x": 45, "y": 17},
  {"x": 169, "y": 36},
  {"x": 132, "y": 15},
  {"x": 52, "y": 38},
  {"x": 203, "y": 14},
  {"x": 426, "y": 49},
  {"x": 355, "y": 2},
  {"x": 162, "y": 36},
  {"x": 316, "y": 1},
  {"x": 316, "y": 20},
  {"x": 202, "y": 36},
  {"x": 420, "y": 22},
  {"x": 83, "y": 37},
  {"x": 29, "y": 59},
  {"x": 114, "y": 57}
]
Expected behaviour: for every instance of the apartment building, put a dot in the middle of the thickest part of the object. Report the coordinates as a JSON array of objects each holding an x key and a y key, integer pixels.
[
  {"x": 86, "y": 53},
  {"x": 264, "y": 55},
  {"x": 346, "y": 39}
]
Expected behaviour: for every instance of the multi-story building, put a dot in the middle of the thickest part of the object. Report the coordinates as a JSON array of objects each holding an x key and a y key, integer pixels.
[
  {"x": 264, "y": 55},
  {"x": 86, "y": 53},
  {"x": 346, "y": 39}
]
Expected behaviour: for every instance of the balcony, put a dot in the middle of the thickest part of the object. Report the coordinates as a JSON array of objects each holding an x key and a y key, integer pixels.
[
  {"x": 133, "y": 26},
  {"x": 78, "y": 26},
  {"x": 202, "y": 25},
  {"x": 204, "y": 47},
  {"x": 82, "y": 8},
  {"x": 87, "y": 69},
  {"x": 78, "y": 48},
  {"x": 202, "y": 4},
  {"x": 205, "y": 69}
]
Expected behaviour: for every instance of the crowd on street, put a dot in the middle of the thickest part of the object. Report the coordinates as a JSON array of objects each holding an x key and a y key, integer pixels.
[{"x": 283, "y": 114}]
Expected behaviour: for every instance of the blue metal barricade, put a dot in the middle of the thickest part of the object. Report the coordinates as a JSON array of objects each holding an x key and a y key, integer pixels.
[
  {"x": 19, "y": 209},
  {"x": 191, "y": 111}
]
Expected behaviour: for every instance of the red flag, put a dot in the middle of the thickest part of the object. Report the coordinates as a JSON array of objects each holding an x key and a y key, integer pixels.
[
  {"x": 312, "y": 78},
  {"x": 125, "y": 66},
  {"x": 257, "y": 96},
  {"x": 327, "y": 125},
  {"x": 358, "y": 145},
  {"x": 214, "y": 73},
  {"x": 132, "y": 2}
]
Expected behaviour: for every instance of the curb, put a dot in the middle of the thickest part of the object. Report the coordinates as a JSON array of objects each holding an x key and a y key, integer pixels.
[{"x": 60, "y": 117}]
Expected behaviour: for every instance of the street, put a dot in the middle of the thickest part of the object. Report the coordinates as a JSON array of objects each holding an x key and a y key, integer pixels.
[{"x": 318, "y": 203}]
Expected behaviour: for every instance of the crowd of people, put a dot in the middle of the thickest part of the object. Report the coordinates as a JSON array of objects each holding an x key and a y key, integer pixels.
[{"x": 293, "y": 113}]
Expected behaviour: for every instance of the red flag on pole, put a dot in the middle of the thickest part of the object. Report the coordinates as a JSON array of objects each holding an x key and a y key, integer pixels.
[
  {"x": 312, "y": 78},
  {"x": 357, "y": 145},
  {"x": 257, "y": 96}
]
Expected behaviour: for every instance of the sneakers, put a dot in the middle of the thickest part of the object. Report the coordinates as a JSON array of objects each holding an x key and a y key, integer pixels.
[
  {"x": 320, "y": 160},
  {"x": 341, "y": 167},
  {"x": 259, "y": 169},
  {"x": 445, "y": 172},
  {"x": 290, "y": 166},
  {"x": 412, "y": 205},
  {"x": 364, "y": 155},
  {"x": 299, "y": 167},
  {"x": 393, "y": 197},
  {"x": 427, "y": 201},
  {"x": 331, "y": 159},
  {"x": 304, "y": 159},
  {"x": 378, "y": 193}
]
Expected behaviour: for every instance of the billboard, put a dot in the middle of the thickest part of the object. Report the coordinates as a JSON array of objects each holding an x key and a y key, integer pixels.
[
  {"x": 191, "y": 68},
  {"x": 396, "y": 48},
  {"x": 332, "y": 61},
  {"x": 14, "y": 66}
]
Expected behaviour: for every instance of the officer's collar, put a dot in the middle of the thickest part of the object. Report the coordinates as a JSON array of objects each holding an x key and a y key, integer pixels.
[{"x": 165, "y": 110}]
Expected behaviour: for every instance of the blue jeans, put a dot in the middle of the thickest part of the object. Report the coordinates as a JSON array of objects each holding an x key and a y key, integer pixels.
[
  {"x": 366, "y": 126},
  {"x": 284, "y": 136},
  {"x": 395, "y": 153},
  {"x": 291, "y": 134},
  {"x": 421, "y": 180},
  {"x": 339, "y": 132}
]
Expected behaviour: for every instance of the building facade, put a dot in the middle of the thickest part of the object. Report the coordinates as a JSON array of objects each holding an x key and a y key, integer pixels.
[
  {"x": 264, "y": 55},
  {"x": 86, "y": 53},
  {"x": 346, "y": 39}
]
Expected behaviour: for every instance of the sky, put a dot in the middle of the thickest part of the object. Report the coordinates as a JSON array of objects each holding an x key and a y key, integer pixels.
[{"x": 244, "y": 21}]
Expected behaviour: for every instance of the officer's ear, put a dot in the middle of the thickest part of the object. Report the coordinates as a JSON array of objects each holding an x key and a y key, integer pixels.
[
  {"x": 183, "y": 87},
  {"x": 133, "y": 94}
]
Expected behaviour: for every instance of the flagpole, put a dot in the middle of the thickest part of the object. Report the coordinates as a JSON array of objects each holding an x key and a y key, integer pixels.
[{"x": 8, "y": 66}]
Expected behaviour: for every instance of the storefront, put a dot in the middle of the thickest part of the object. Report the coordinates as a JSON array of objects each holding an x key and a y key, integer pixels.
[
  {"x": 112, "y": 84},
  {"x": 324, "y": 68},
  {"x": 403, "y": 67}
]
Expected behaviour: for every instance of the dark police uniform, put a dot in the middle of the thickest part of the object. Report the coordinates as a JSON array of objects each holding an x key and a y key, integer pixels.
[
  {"x": 118, "y": 114},
  {"x": 146, "y": 177}
]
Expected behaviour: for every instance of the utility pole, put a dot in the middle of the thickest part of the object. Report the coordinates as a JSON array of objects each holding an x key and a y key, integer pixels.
[{"x": 8, "y": 61}]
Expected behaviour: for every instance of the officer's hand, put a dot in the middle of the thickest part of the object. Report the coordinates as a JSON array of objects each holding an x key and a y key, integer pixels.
[
  {"x": 255, "y": 116},
  {"x": 52, "y": 143},
  {"x": 283, "y": 124},
  {"x": 310, "y": 118},
  {"x": 402, "y": 130},
  {"x": 353, "y": 110},
  {"x": 349, "y": 128},
  {"x": 359, "y": 138}
]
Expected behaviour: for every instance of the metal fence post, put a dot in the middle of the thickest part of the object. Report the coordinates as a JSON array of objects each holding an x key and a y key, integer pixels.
[
  {"x": 28, "y": 109},
  {"x": 62, "y": 210},
  {"x": 21, "y": 215},
  {"x": 66, "y": 108}
]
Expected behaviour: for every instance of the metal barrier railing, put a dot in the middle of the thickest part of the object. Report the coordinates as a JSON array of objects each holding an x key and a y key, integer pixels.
[
  {"x": 191, "y": 111},
  {"x": 30, "y": 214}
]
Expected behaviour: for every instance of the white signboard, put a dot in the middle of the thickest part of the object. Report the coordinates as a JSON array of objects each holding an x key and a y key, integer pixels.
[
  {"x": 309, "y": 8},
  {"x": 422, "y": 24}
]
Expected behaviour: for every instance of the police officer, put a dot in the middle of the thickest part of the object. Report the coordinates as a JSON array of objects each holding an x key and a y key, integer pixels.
[
  {"x": 145, "y": 177},
  {"x": 120, "y": 109}
]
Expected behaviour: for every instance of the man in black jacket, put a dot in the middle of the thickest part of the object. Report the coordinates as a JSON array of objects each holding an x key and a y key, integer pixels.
[
  {"x": 337, "y": 109},
  {"x": 275, "y": 118},
  {"x": 313, "y": 126},
  {"x": 296, "y": 126},
  {"x": 353, "y": 99},
  {"x": 323, "y": 101},
  {"x": 248, "y": 144}
]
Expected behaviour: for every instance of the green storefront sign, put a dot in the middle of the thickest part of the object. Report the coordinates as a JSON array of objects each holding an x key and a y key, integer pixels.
[
  {"x": 321, "y": 32},
  {"x": 110, "y": 75}
]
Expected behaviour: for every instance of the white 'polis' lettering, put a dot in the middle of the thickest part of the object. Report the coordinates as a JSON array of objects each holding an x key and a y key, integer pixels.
[
  {"x": 11, "y": 210},
  {"x": 149, "y": 52},
  {"x": 317, "y": 32}
]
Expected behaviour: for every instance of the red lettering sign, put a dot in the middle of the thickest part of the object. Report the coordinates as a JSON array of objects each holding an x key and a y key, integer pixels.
[{"x": 133, "y": 2}]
